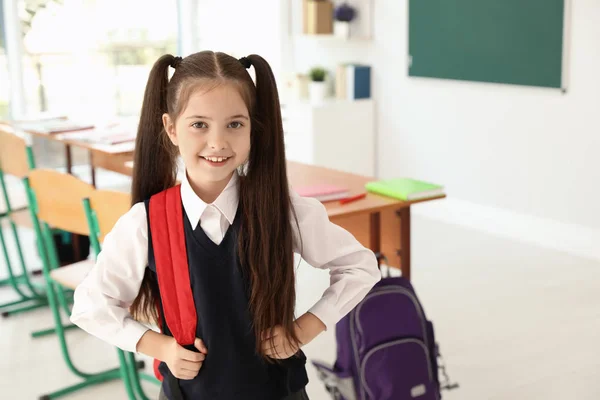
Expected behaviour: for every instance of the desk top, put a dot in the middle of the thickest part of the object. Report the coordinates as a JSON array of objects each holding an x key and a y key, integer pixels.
[
  {"x": 73, "y": 138},
  {"x": 303, "y": 174},
  {"x": 118, "y": 148}
]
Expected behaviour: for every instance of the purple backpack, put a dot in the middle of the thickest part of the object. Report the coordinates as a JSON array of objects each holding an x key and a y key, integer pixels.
[{"x": 386, "y": 349}]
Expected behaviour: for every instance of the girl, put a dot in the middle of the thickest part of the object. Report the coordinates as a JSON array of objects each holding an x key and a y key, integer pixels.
[{"x": 242, "y": 225}]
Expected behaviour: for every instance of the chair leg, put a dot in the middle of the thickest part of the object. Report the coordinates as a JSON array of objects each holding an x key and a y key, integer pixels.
[
  {"x": 12, "y": 279},
  {"x": 14, "y": 303},
  {"x": 54, "y": 300},
  {"x": 24, "y": 272},
  {"x": 136, "y": 376},
  {"x": 37, "y": 303},
  {"x": 50, "y": 331},
  {"x": 125, "y": 375},
  {"x": 6, "y": 281},
  {"x": 27, "y": 301}
]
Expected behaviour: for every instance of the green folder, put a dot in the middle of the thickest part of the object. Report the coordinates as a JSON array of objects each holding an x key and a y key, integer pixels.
[{"x": 405, "y": 189}]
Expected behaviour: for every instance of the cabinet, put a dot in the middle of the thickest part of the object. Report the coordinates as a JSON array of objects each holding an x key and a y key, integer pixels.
[{"x": 337, "y": 134}]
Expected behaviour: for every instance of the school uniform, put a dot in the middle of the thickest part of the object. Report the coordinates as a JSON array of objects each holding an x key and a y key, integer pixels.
[{"x": 232, "y": 369}]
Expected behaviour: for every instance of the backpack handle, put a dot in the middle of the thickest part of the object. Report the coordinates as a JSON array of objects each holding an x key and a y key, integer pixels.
[{"x": 381, "y": 258}]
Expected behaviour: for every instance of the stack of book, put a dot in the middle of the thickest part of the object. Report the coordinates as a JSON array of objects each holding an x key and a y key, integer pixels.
[{"x": 353, "y": 81}]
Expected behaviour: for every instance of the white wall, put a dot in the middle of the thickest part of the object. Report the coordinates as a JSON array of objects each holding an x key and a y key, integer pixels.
[
  {"x": 516, "y": 161},
  {"x": 242, "y": 27},
  {"x": 528, "y": 150}
]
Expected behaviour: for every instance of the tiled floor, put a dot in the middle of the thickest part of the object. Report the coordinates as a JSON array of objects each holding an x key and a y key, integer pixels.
[{"x": 514, "y": 322}]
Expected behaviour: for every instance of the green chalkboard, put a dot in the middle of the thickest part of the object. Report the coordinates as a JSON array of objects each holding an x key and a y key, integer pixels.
[{"x": 501, "y": 41}]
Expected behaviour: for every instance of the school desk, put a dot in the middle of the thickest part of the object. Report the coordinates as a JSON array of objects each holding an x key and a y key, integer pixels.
[
  {"x": 379, "y": 223},
  {"x": 109, "y": 157}
]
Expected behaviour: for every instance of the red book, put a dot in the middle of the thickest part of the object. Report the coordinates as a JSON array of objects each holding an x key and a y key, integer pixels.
[{"x": 353, "y": 198}]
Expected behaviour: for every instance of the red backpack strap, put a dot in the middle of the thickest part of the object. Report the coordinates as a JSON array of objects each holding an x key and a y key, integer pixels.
[
  {"x": 155, "y": 365},
  {"x": 157, "y": 362},
  {"x": 168, "y": 243}
]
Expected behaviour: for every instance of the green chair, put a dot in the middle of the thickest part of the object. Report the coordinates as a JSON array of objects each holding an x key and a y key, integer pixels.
[
  {"x": 103, "y": 208},
  {"x": 55, "y": 199},
  {"x": 16, "y": 159}
]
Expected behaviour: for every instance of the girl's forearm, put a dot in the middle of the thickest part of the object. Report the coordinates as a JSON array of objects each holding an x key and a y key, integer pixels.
[
  {"x": 308, "y": 327},
  {"x": 153, "y": 344}
]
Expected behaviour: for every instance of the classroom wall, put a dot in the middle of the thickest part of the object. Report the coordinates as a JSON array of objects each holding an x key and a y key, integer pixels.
[
  {"x": 517, "y": 161},
  {"x": 528, "y": 150}
]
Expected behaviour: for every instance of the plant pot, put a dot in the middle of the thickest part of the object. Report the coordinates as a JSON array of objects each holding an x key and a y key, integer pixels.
[
  {"x": 341, "y": 29},
  {"x": 318, "y": 91}
]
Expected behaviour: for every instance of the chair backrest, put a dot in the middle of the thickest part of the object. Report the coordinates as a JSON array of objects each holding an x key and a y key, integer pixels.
[
  {"x": 58, "y": 197},
  {"x": 13, "y": 152},
  {"x": 108, "y": 206}
]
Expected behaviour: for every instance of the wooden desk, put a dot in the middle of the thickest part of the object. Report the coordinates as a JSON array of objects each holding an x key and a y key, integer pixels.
[
  {"x": 379, "y": 223},
  {"x": 110, "y": 157}
]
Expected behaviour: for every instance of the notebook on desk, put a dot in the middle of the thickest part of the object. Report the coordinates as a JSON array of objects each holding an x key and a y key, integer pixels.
[
  {"x": 405, "y": 189},
  {"x": 322, "y": 192}
]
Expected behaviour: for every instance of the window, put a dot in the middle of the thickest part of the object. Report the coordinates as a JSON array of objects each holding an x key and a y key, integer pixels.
[
  {"x": 88, "y": 59},
  {"x": 91, "y": 58}
]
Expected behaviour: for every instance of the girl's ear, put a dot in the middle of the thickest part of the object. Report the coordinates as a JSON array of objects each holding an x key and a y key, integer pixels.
[{"x": 169, "y": 126}]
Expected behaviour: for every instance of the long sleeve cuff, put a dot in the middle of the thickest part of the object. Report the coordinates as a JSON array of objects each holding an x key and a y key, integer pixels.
[
  {"x": 131, "y": 335},
  {"x": 126, "y": 338},
  {"x": 327, "y": 313}
]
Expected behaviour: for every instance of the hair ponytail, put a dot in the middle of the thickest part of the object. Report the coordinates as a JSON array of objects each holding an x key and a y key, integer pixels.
[
  {"x": 154, "y": 168},
  {"x": 266, "y": 207}
]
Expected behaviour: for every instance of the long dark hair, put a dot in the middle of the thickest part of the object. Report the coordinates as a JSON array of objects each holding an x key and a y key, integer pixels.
[{"x": 266, "y": 235}]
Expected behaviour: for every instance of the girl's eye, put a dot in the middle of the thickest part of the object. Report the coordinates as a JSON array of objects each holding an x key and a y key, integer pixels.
[
  {"x": 235, "y": 125},
  {"x": 199, "y": 125}
]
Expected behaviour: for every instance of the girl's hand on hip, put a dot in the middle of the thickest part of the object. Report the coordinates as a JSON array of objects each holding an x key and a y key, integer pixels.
[{"x": 275, "y": 344}]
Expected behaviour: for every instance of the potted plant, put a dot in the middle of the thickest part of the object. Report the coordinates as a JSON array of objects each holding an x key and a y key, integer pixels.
[
  {"x": 317, "y": 87},
  {"x": 343, "y": 15}
]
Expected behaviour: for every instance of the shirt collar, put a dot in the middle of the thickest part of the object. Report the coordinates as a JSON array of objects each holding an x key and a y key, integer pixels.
[{"x": 227, "y": 202}]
